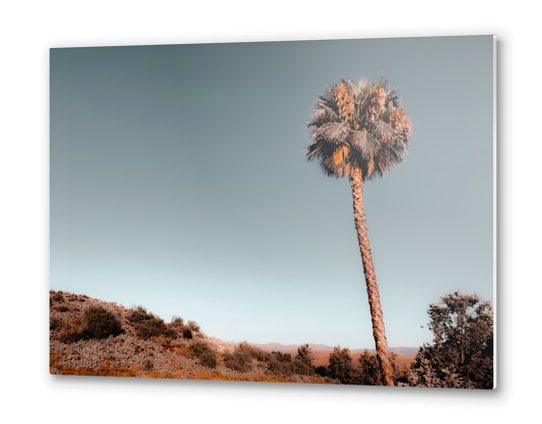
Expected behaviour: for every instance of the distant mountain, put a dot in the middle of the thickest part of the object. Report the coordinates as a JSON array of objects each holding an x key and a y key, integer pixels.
[{"x": 269, "y": 347}]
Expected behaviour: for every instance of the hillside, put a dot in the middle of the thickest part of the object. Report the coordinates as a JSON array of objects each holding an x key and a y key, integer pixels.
[{"x": 92, "y": 337}]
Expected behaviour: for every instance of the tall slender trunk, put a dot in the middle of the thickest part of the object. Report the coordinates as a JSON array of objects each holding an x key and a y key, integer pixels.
[{"x": 377, "y": 318}]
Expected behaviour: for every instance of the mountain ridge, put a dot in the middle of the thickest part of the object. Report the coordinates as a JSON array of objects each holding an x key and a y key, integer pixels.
[{"x": 292, "y": 348}]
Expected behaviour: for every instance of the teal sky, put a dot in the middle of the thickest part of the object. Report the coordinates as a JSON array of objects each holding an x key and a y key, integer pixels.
[{"x": 179, "y": 182}]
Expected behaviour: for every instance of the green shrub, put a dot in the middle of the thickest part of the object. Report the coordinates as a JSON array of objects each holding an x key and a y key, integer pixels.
[
  {"x": 101, "y": 323},
  {"x": 206, "y": 355}
]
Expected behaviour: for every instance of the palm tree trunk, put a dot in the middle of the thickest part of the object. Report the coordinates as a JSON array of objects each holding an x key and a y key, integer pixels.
[{"x": 377, "y": 318}]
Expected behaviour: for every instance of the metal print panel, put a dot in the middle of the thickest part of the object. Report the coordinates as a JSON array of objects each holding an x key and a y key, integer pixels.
[{"x": 313, "y": 212}]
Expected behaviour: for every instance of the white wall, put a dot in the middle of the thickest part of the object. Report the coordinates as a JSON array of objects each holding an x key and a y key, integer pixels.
[{"x": 29, "y": 29}]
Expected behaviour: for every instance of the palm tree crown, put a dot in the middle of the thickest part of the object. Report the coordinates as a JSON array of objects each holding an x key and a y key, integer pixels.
[{"x": 358, "y": 128}]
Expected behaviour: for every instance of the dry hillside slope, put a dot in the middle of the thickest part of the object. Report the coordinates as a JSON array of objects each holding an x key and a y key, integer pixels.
[{"x": 92, "y": 337}]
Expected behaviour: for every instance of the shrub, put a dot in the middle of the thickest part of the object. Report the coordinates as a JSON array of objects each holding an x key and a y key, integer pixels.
[
  {"x": 177, "y": 322},
  {"x": 54, "y": 323},
  {"x": 187, "y": 333},
  {"x": 281, "y": 364},
  {"x": 55, "y": 297},
  {"x": 150, "y": 327},
  {"x": 242, "y": 358},
  {"x": 322, "y": 371},
  {"x": 71, "y": 297},
  {"x": 154, "y": 326},
  {"x": 138, "y": 315},
  {"x": 194, "y": 326},
  {"x": 206, "y": 355},
  {"x": 101, "y": 323},
  {"x": 71, "y": 330}
]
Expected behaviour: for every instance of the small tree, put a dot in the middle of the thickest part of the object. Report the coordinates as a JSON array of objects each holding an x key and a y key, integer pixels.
[
  {"x": 303, "y": 361},
  {"x": 340, "y": 366},
  {"x": 370, "y": 374},
  {"x": 461, "y": 355}
]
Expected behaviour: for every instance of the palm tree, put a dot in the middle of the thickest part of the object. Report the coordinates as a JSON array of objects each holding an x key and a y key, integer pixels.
[{"x": 361, "y": 132}]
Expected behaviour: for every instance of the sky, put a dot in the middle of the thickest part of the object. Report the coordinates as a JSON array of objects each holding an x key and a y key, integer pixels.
[{"x": 178, "y": 181}]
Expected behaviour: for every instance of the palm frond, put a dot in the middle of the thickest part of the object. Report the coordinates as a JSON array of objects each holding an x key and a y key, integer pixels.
[
  {"x": 365, "y": 144},
  {"x": 334, "y": 132}
]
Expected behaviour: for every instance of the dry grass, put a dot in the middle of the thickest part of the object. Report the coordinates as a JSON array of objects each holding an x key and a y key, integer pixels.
[{"x": 106, "y": 369}]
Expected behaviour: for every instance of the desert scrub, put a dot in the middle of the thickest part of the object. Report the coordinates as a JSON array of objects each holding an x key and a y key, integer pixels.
[
  {"x": 242, "y": 359},
  {"x": 206, "y": 355},
  {"x": 70, "y": 330},
  {"x": 138, "y": 315},
  {"x": 149, "y": 325},
  {"x": 177, "y": 322},
  {"x": 101, "y": 323},
  {"x": 280, "y": 364},
  {"x": 187, "y": 333},
  {"x": 194, "y": 326},
  {"x": 155, "y": 326}
]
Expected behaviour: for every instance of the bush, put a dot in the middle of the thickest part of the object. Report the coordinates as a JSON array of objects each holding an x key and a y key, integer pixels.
[
  {"x": 281, "y": 364},
  {"x": 154, "y": 326},
  {"x": 177, "y": 322},
  {"x": 71, "y": 331},
  {"x": 55, "y": 297},
  {"x": 322, "y": 371},
  {"x": 242, "y": 358},
  {"x": 206, "y": 355},
  {"x": 138, "y": 315},
  {"x": 54, "y": 323},
  {"x": 187, "y": 333},
  {"x": 101, "y": 323},
  {"x": 193, "y": 325},
  {"x": 149, "y": 325}
]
